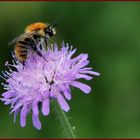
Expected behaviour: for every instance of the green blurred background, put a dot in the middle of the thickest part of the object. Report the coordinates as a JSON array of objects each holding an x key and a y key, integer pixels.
[{"x": 110, "y": 33}]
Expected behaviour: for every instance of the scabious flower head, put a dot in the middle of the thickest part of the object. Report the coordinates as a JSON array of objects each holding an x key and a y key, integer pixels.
[{"x": 45, "y": 78}]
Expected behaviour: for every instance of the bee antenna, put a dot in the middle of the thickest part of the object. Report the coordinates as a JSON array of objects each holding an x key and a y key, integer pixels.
[
  {"x": 56, "y": 21},
  {"x": 53, "y": 25}
]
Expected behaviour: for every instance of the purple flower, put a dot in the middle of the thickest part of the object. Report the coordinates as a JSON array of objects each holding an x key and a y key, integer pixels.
[{"x": 45, "y": 78}]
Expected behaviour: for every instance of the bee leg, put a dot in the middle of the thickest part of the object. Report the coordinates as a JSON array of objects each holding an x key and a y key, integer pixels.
[
  {"x": 40, "y": 46},
  {"x": 23, "y": 63},
  {"x": 35, "y": 49},
  {"x": 39, "y": 53},
  {"x": 32, "y": 44},
  {"x": 46, "y": 41}
]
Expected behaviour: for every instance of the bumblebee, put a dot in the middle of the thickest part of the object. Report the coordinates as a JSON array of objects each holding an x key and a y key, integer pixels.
[{"x": 32, "y": 40}]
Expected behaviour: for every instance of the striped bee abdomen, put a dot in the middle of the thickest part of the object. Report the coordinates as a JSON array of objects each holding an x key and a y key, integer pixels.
[{"x": 21, "y": 51}]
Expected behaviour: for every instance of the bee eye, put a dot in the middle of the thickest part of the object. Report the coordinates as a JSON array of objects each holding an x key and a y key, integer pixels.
[{"x": 47, "y": 30}]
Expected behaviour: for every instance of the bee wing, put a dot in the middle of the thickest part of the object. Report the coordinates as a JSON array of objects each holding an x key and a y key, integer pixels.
[{"x": 22, "y": 36}]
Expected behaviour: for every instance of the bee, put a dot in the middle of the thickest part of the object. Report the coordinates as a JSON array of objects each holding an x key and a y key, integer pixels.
[{"x": 32, "y": 40}]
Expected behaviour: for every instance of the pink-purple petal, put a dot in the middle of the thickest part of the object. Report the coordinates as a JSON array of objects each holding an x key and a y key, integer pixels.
[
  {"x": 23, "y": 115},
  {"x": 7, "y": 102},
  {"x": 91, "y": 72},
  {"x": 15, "y": 114},
  {"x": 8, "y": 94},
  {"x": 67, "y": 94},
  {"x": 62, "y": 102},
  {"x": 16, "y": 107},
  {"x": 82, "y": 64},
  {"x": 46, "y": 107},
  {"x": 35, "y": 108},
  {"x": 84, "y": 56},
  {"x": 83, "y": 87},
  {"x": 86, "y": 77},
  {"x": 71, "y": 53},
  {"x": 36, "y": 121}
]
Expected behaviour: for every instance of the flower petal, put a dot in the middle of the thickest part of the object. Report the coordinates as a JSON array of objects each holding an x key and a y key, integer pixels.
[
  {"x": 16, "y": 107},
  {"x": 67, "y": 94},
  {"x": 91, "y": 72},
  {"x": 23, "y": 115},
  {"x": 71, "y": 53},
  {"x": 79, "y": 57},
  {"x": 82, "y": 64},
  {"x": 86, "y": 77},
  {"x": 8, "y": 94},
  {"x": 35, "y": 108},
  {"x": 85, "y": 56},
  {"x": 66, "y": 91},
  {"x": 15, "y": 114},
  {"x": 46, "y": 107},
  {"x": 8, "y": 102},
  {"x": 62, "y": 102},
  {"x": 36, "y": 121},
  {"x": 85, "y": 88}
]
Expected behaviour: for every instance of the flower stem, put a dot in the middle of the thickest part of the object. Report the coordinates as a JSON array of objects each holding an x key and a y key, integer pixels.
[{"x": 63, "y": 120}]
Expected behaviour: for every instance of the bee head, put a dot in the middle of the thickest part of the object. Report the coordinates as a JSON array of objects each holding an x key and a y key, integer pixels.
[{"x": 50, "y": 30}]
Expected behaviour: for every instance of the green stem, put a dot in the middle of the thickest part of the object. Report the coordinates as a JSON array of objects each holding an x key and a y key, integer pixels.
[{"x": 63, "y": 120}]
